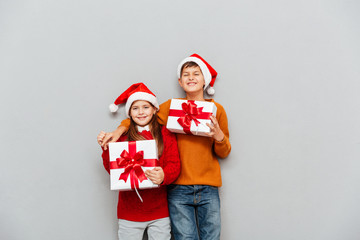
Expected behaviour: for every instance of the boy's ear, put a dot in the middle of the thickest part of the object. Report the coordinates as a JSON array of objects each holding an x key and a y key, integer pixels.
[{"x": 180, "y": 82}]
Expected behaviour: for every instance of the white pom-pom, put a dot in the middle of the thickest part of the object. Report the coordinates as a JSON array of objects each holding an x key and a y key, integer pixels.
[
  {"x": 113, "y": 108},
  {"x": 210, "y": 91}
]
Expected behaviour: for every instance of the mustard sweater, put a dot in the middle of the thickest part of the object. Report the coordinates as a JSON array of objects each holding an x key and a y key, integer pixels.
[{"x": 198, "y": 155}]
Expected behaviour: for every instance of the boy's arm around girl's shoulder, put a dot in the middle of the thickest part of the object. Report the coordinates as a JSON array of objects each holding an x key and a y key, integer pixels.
[
  {"x": 163, "y": 112},
  {"x": 171, "y": 159},
  {"x": 223, "y": 148}
]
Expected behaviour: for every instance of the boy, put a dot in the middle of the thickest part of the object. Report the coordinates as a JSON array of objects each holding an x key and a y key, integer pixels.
[{"x": 194, "y": 202}]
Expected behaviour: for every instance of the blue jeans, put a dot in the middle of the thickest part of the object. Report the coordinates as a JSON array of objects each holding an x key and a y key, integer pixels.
[{"x": 194, "y": 212}]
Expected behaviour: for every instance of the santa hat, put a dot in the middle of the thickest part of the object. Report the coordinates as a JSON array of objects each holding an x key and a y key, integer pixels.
[
  {"x": 208, "y": 72},
  {"x": 137, "y": 91}
]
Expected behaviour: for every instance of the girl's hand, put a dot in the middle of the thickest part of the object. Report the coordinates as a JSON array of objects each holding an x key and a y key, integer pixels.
[
  {"x": 156, "y": 175},
  {"x": 215, "y": 131},
  {"x": 100, "y": 137}
]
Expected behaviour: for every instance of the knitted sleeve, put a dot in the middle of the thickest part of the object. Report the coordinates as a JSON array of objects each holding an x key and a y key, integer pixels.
[
  {"x": 171, "y": 159},
  {"x": 163, "y": 112},
  {"x": 222, "y": 149},
  {"x": 106, "y": 160}
]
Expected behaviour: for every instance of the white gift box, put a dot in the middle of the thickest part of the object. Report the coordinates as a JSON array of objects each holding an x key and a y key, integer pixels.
[
  {"x": 126, "y": 163},
  {"x": 190, "y": 117}
]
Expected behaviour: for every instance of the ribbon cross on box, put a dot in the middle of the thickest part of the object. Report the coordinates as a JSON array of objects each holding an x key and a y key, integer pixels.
[{"x": 190, "y": 117}]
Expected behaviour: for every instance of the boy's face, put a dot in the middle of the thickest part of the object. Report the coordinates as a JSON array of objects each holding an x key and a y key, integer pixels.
[
  {"x": 192, "y": 80},
  {"x": 142, "y": 112}
]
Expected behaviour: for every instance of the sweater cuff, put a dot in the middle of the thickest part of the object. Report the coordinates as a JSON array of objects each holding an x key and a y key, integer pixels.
[
  {"x": 222, "y": 141},
  {"x": 223, "y": 148},
  {"x": 164, "y": 181}
]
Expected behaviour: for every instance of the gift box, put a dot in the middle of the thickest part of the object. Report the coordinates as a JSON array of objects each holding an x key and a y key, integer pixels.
[
  {"x": 190, "y": 117},
  {"x": 128, "y": 163}
]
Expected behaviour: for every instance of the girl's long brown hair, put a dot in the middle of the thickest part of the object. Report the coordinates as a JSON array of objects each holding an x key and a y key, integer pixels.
[{"x": 155, "y": 129}]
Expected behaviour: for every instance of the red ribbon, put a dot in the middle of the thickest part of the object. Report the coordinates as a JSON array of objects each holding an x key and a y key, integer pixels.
[
  {"x": 133, "y": 162},
  {"x": 190, "y": 112}
]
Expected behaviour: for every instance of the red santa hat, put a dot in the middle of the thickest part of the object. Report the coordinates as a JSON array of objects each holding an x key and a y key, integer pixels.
[
  {"x": 137, "y": 91},
  {"x": 208, "y": 72}
]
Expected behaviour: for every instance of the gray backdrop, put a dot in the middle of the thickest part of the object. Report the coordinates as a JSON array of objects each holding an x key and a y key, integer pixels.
[{"x": 288, "y": 78}]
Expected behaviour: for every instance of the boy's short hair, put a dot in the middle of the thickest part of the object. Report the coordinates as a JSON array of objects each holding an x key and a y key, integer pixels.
[{"x": 189, "y": 65}]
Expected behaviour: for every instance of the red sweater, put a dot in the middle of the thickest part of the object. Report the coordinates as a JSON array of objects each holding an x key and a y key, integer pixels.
[{"x": 154, "y": 205}]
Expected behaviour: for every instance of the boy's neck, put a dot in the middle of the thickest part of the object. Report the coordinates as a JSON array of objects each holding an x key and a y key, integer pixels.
[{"x": 195, "y": 96}]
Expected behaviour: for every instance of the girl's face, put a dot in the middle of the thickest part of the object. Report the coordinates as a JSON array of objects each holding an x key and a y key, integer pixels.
[{"x": 142, "y": 112}]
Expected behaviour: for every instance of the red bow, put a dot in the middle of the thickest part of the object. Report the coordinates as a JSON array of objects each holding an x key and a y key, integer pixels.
[
  {"x": 190, "y": 112},
  {"x": 132, "y": 165}
]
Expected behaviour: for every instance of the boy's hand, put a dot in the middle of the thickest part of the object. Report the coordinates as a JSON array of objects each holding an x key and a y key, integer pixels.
[
  {"x": 215, "y": 131},
  {"x": 156, "y": 175},
  {"x": 112, "y": 137},
  {"x": 100, "y": 137}
]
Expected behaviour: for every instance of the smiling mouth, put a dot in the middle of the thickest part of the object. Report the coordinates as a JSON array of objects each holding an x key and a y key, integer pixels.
[{"x": 142, "y": 118}]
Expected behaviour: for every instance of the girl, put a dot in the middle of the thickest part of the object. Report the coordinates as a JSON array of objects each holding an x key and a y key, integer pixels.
[{"x": 151, "y": 214}]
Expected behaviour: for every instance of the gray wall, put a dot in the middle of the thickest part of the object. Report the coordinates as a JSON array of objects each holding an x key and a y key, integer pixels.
[{"x": 289, "y": 79}]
